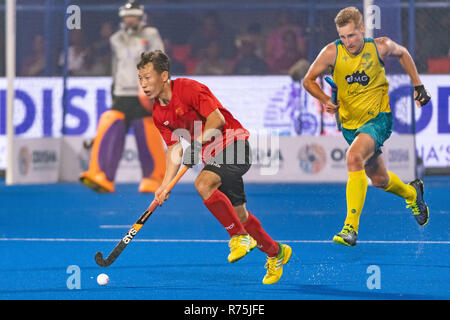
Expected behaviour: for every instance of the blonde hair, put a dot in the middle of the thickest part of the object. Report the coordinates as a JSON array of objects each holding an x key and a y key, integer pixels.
[{"x": 347, "y": 15}]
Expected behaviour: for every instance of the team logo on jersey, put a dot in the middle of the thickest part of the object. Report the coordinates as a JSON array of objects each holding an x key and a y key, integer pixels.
[
  {"x": 358, "y": 77},
  {"x": 367, "y": 63},
  {"x": 179, "y": 111}
]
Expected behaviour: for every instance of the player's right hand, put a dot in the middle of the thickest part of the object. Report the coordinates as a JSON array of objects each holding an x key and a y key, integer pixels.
[
  {"x": 161, "y": 195},
  {"x": 330, "y": 107}
]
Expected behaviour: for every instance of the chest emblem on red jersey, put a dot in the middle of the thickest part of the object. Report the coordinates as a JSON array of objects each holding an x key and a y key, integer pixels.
[{"x": 179, "y": 111}]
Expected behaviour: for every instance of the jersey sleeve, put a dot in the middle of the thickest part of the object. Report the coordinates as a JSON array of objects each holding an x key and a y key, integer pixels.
[{"x": 199, "y": 97}]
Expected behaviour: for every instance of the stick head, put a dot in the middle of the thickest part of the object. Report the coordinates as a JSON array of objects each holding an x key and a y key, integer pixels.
[{"x": 99, "y": 259}]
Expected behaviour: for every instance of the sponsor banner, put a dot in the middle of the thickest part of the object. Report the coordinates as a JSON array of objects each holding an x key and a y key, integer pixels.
[
  {"x": 322, "y": 159},
  {"x": 398, "y": 155},
  {"x": 36, "y": 160},
  {"x": 300, "y": 159},
  {"x": 275, "y": 159},
  {"x": 432, "y": 123},
  {"x": 434, "y": 150},
  {"x": 273, "y": 103},
  {"x": 76, "y": 155}
]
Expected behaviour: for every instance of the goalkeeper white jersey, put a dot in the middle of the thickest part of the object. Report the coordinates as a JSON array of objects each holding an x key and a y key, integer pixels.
[{"x": 126, "y": 52}]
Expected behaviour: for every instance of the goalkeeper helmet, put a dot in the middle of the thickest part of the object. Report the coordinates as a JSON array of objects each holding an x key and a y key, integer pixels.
[{"x": 131, "y": 8}]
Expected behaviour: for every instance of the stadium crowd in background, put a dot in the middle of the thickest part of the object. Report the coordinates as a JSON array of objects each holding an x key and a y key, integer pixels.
[
  {"x": 213, "y": 49},
  {"x": 209, "y": 43}
]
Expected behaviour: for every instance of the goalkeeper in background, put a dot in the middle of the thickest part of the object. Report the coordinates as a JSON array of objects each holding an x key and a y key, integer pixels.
[
  {"x": 131, "y": 108},
  {"x": 363, "y": 103}
]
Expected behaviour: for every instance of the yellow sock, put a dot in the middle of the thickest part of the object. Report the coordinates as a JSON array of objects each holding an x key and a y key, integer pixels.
[
  {"x": 397, "y": 187},
  {"x": 356, "y": 195}
]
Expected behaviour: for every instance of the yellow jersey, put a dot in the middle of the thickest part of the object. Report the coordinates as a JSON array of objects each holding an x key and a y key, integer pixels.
[{"x": 362, "y": 84}]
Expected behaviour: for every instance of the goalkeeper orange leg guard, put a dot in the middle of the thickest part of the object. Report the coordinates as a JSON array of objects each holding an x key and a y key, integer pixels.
[
  {"x": 106, "y": 152},
  {"x": 151, "y": 154}
]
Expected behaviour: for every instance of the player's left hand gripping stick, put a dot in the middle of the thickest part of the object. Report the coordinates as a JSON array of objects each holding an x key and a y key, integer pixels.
[{"x": 136, "y": 227}]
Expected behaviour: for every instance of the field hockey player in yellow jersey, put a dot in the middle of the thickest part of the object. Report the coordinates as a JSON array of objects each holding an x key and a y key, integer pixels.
[{"x": 363, "y": 105}]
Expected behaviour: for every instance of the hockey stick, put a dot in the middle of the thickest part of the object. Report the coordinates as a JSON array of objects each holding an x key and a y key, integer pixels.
[
  {"x": 136, "y": 227},
  {"x": 334, "y": 89}
]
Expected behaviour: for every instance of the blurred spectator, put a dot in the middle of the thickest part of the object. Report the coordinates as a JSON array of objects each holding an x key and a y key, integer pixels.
[
  {"x": 431, "y": 47},
  {"x": 423, "y": 43},
  {"x": 177, "y": 25},
  {"x": 211, "y": 29},
  {"x": 299, "y": 70},
  {"x": 212, "y": 63},
  {"x": 34, "y": 64},
  {"x": 96, "y": 59},
  {"x": 290, "y": 54},
  {"x": 276, "y": 48},
  {"x": 255, "y": 35},
  {"x": 92, "y": 66},
  {"x": 102, "y": 50},
  {"x": 77, "y": 52},
  {"x": 248, "y": 61},
  {"x": 176, "y": 67},
  {"x": 438, "y": 53},
  {"x": 442, "y": 39}
]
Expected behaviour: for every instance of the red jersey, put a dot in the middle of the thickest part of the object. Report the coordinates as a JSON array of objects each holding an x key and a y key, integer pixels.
[{"x": 188, "y": 109}]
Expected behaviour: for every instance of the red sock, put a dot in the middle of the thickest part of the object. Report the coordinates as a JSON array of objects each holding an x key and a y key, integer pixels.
[
  {"x": 265, "y": 242},
  {"x": 221, "y": 207}
]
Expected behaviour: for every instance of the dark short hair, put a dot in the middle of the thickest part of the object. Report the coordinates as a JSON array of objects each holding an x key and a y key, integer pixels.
[{"x": 159, "y": 59}]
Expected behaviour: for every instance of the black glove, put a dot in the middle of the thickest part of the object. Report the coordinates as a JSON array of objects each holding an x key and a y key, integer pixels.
[
  {"x": 192, "y": 154},
  {"x": 422, "y": 95}
]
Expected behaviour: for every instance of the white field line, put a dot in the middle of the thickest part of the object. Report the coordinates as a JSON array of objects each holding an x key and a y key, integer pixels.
[{"x": 208, "y": 241}]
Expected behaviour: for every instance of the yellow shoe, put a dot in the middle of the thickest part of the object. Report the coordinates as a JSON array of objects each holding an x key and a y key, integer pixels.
[
  {"x": 149, "y": 185},
  {"x": 347, "y": 236},
  {"x": 240, "y": 246},
  {"x": 274, "y": 265}
]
